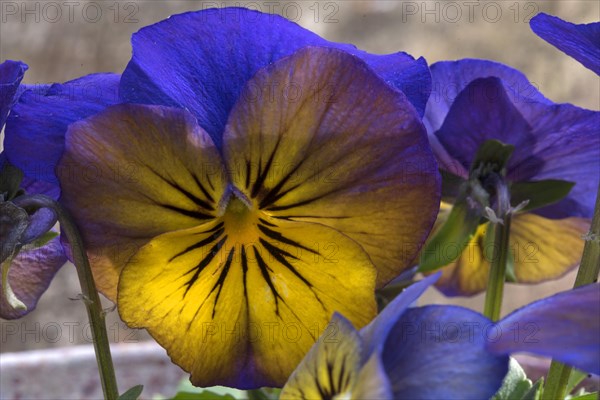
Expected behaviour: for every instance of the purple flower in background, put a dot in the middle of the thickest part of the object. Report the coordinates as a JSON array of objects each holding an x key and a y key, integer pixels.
[
  {"x": 28, "y": 265},
  {"x": 580, "y": 41},
  {"x": 474, "y": 101}
]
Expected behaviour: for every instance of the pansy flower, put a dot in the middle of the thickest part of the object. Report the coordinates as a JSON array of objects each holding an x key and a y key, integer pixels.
[
  {"x": 556, "y": 149},
  {"x": 27, "y": 267},
  {"x": 296, "y": 181},
  {"x": 448, "y": 352},
  {"x": 580, "y": 41}
]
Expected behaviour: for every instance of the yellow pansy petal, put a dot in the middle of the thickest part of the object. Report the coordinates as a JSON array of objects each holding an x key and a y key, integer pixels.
[
  {"x": 318, "y": 137},
  {"x": 468, "y": 275},
  {"x": 134, "y": 172},
  {"x": 541, "y": 249},
  {"x": 544, "y": 248},
  {"x": 331, "y": 367},
  {"x": 239, "y": 301}
]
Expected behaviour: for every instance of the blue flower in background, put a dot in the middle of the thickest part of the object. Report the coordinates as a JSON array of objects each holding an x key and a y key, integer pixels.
[
  {"x": 474, "y": 101},
  {"x": 26, "y": 271},
  {"x": 445, "y": 352},
  {"x": 580, "y": 41}
]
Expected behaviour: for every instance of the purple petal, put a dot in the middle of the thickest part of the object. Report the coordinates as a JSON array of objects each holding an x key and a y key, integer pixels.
[
  {"x": 449, "y": 78},
  {"x": 582, "y": 42},
  {"x": 30, "y": 275},
  {"x": 567, "y": 147},
  {"x": 565, "y": 326},
  {"x": 483, "y": 111},
  {"x": 438, "y": 352},
  {"x": 39, "y": 223},
  {"x": 11, "y": 74},
  {"x": 32, "y": 186},
  {"x": 377, "y": 331},
  {"x": 36, "y": 127},
  {"x": 202, "y": 60}
]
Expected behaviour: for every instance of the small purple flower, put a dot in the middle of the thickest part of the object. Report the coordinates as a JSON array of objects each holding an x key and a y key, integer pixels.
[{"x": 474, "y": 101}]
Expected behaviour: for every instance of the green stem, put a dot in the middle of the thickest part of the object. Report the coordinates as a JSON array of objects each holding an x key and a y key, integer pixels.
[
  {"x": 88, "y": 288},
  {"x": 558, "y": 375},
  {"x": 495, "y": 288}
]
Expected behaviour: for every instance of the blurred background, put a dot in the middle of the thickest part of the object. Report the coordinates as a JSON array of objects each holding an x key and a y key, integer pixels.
[{"x": 64, "y": 40}]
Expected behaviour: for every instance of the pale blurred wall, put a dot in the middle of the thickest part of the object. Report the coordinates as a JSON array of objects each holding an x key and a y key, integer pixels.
[{"x": 59, "y": 48}]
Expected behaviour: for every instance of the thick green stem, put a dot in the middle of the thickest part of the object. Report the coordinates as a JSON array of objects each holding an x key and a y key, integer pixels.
[
  {"x": 88, "y": 288},
  {"x": 495, "y": 288},
  {"x": 558, "y": 375}
]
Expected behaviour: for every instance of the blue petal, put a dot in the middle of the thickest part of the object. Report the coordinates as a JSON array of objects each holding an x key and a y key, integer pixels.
[
  {"x": 37, "y": 124},
  {"x": 11, "y": 74},
  {"x": 483, "y": 111},
  {"x": 582, "y": 42},
  {"x": 565, "y": 326},
  {"x": 30, "y": 275},
  {"x": 202, "y": 60},
  {"x": 377, "y": 331},
  {"x": 552, "y": 141},
  {"x": 449, "y": 78},
  {"x": 568, "y": 144},
  {"x": 438, "y": 352}
]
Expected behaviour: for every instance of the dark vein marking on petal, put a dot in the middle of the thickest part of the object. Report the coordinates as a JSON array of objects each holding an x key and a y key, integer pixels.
[
  {"x": 289, "y": 217},
  {"x": 202, "y": 264},
  {"x": 245, "y": 272},
  {"x": 280, "y": 238},
  {"x": 203, "y": 189},
  {"x": 214, "y": 228},
  {"x": 299, "y": 203},
  {"x": 264, "y": 269},
  {"x": 266, "y": 222},
  {"x": 274, "y": 194},
  {"x": 190, "y": 196},
  {"x": 260, "y": 179},
  {"x": 221, "y": 280},
  {"x": 200, "y": 244},
  {"x": 187, "y": 213}
]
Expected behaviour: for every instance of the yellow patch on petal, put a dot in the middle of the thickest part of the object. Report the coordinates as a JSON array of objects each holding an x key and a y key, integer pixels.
[
  {"x": 541, "y": 249},
  {"x": 240, "y": 300},
  {"x": 544, "y": 248},
  {"x": 469, "y": 274},
  {"x": 331, "y": 368},
  {"x": 134, "y": 172}
]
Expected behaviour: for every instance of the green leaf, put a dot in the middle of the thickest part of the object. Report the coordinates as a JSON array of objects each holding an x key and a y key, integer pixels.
[
  {"x": 10, "y": 181},
  {"x": 586, "y": 396},
  {"x": 132, "y": 394},
  {"x": 539, "y": 193},
  {"x": 204, "y": 395},
  {"x": 494, "y": 155},
  {"x": 576, "y": 377},
  {"x": 42, "y": 240},
  {"x": 264, "y": 394},
  {"x": 535, "y": 392},
  {"x": 448, "y": 243},
  {"x": 515, "y": 384}
]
